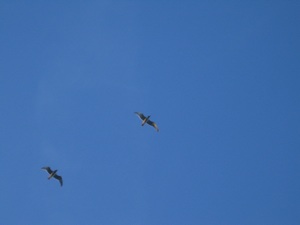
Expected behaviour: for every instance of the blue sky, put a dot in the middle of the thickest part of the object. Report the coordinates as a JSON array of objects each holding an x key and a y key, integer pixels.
[{"x": 220, "y": 78}]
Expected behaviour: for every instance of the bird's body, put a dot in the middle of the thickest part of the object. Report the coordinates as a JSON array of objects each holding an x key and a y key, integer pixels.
[
  {"x": 53, "y": 174},
  {"x": 147, "y": 120}
]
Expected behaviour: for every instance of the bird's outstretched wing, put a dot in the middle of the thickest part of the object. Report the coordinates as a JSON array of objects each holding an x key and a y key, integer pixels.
[
  {"x": 151, "y": 123},
  {"x": 141, "y": 115},
  {"x": 47, "y": 168},
  {"x": 59, "y": 178}
]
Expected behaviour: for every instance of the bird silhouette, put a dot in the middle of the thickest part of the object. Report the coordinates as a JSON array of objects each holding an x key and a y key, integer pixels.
[
  {"x": 53, "y": 174},
  {"x": 147, "y": 120}
]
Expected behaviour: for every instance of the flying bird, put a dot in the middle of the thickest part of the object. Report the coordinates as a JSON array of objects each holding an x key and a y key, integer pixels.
[
  {"x": 146, "y": 120},
  {"x": 53, "y": 174}
]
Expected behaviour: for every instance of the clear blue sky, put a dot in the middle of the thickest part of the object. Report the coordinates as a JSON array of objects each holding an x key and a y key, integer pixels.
[{"x": 220, "y": 78}]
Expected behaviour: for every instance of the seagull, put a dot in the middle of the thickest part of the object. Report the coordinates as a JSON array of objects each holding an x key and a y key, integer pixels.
[
  {"x": 53, "y": 174},
  {"x": 146, "y": 120}
]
